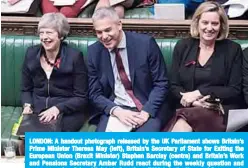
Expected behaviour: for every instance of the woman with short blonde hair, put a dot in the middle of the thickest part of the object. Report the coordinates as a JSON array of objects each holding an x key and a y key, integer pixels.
[
  {"x": 54, "y": 77},
  {"x": 207, "y": 7},
  {"x": 206, "y": 78}
]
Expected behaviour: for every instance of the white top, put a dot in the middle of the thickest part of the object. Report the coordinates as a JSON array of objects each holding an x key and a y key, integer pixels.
[{"x": 48, "y": 74}]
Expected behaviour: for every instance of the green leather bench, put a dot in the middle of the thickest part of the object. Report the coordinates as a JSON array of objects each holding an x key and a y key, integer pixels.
[{"x": 12, "y": 55}]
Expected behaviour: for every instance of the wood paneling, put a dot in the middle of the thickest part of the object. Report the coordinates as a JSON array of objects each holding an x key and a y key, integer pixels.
[{"x": 84, "y": 27}]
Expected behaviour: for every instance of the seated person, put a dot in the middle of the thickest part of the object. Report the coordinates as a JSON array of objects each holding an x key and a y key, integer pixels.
[
  {"x": 118, "y": 65},
  {"x": 120, "y": 7},
  {"x": 69, "y": 11},
  {"x": 206, "y": 66},
  {"x": 54, "y": 76}
]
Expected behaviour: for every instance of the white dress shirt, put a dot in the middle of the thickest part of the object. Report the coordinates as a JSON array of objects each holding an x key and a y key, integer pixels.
[{"x": 122, "y": 97}]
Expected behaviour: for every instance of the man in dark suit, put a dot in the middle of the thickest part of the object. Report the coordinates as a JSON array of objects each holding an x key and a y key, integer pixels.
[{"x": 127, "y": 75}]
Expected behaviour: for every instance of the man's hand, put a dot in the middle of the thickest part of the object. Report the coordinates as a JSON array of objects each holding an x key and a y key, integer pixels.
[
  {"x": 50, "y": 114},
  {"x": 143, "y": 116},
  {"x": 189, "y": 97},
  {"x": 127, "y": 117}
]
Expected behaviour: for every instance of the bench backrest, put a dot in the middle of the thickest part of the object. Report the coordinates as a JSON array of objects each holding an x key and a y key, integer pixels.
[{"x": 13, "y": 49}]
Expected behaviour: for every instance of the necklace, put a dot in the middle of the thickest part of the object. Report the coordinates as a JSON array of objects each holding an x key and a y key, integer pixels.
[
  {"x": 47, "y": 60},
  {"x": 57, "y": 59}
]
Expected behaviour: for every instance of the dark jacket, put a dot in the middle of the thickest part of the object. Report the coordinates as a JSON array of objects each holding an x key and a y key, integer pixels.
[
  {"x": 67, "y": 87},
  {"x": 147, "y": 72},
  {"x": 245, "y": 75},
  {"x": 226, "y": 72}
]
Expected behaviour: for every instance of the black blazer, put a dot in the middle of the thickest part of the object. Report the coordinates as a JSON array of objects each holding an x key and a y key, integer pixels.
[
  {"x": 245, "y": 75},
  {"x": 226, "y": 72},
  {"x": 67, "y": 87}
]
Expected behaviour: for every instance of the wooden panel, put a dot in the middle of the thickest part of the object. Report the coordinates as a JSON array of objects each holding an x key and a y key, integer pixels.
[{"x": 156, "y": 28}]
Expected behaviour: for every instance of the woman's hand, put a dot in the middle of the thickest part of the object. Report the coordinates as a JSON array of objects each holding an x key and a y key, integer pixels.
[
  {"x": 189, "y": 97},
  {"x": 50, "y": 114},
  {"x": 27, "y": 110},
  {"x": 202, "y": 103}
]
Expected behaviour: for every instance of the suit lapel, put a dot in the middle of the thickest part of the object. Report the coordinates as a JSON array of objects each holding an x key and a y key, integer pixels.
[
  {"x": 106, "y": 64},
  {"x": 131, "y": 57},
  {"x": 218, "y": 63},
  {"x": 36, "y": 65},
  {"x": 190, "y": 60}
]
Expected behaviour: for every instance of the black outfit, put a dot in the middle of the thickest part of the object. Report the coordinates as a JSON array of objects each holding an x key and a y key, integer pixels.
[
  {"x": 221, "y": 77},
  {"x": 203, "y": 74},
  {"x": 245, "y": 75},
  {"x": 245, "y": 82},
  {"x": 66, "y": 89}
]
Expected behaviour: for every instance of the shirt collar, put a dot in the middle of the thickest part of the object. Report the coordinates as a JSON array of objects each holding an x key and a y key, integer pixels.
[{"x": 123, "y": 42}]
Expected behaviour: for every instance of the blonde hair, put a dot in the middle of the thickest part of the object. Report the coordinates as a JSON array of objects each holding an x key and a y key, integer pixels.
[
  {"x": 210, "y": 6},
  {"x": 56, "y": 21}
]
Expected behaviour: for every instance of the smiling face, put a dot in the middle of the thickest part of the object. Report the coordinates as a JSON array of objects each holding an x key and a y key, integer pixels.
[
  {"x": 109, "y": 32},
  {"x": 209, "y": 26},
  {"x": 49, "y": 39}
]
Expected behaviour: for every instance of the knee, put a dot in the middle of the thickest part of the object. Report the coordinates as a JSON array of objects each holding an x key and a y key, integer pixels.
[
  {"x": 181, "y": 126},
  {"x": 152, "y": 125},
  {"x": 68, "y": 12}
]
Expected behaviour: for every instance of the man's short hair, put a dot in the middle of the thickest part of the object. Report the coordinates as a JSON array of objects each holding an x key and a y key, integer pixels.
[{"x": 105, "y": 12}]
